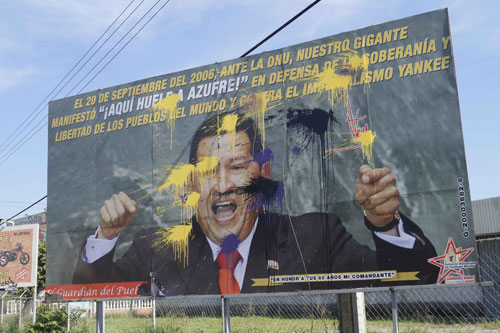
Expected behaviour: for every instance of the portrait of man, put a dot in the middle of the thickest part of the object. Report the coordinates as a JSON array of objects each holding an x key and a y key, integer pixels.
[{"x": 232, "y": 238}]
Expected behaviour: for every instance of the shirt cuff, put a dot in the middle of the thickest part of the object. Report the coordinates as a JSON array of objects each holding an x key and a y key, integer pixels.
[
  {"x": 96, "y": 248},
  {"x": 404, "y": 240}
]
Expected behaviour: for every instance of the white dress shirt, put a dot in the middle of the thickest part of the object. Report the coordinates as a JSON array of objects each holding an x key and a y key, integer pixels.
[
  {"x": 243, "y": 249},
  {"x": 97, "y": 248}
]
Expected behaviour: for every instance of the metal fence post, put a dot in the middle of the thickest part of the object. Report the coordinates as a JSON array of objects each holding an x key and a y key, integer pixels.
[
  {"x": 20, "y": 309},
  {"x": 154, "y": 312},
  {"x": 2, "y": 308},
  {"x": 34, "y": 304},
  {"x": 394, "y": 302},
  {"x": 226, "y": 318},
  {"x": 68, "y": 309},
  {"x": 99, "y": 323},
  {"x": 19, "y": 313}
]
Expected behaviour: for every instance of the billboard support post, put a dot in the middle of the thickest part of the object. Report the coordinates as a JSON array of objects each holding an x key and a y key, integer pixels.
[
  {"x": 21, "y": 309},
  {"x": 226, "y": 318},
  {"x": 99, "y": 323},
  {"x": 352, "y": 312},
  {"x": 153, "y": 306},
  {"x": 34, "y": 303},
  {"x": 1, "y": 307},
  {"x": 394, "y": 303}
]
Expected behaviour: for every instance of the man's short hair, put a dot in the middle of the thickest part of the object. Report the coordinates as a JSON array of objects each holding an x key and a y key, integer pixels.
[{"x": 211, "y": 127}]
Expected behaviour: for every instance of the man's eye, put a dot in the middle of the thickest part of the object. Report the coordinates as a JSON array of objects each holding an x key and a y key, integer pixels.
[{"x": 237, "y": 167}]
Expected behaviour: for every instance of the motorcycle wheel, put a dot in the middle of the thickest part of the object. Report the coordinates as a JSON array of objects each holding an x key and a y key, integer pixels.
[
  {"x": 24, "y": 259},
  {"x": 3, "y": 260}
]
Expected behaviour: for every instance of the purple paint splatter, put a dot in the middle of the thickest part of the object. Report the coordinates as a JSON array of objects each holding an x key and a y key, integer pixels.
[
  {"x": 264, "y": 156},
  {"x": 229, "y": 244},
  {"x": 295, "y": 150}
]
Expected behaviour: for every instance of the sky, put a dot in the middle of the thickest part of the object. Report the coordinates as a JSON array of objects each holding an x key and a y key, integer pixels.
[{"x": 41, "y": 41}]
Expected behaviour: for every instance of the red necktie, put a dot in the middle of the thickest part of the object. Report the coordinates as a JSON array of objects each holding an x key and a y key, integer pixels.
[{"x": 227, "y": 281}]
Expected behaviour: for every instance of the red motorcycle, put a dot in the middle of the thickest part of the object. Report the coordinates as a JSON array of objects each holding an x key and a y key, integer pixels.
[{"x": 8, "y": 256}]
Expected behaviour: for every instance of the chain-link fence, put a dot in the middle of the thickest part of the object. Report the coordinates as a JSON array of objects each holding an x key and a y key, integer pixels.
[
  {"x": 16, "y": 313},
  {"x": 431, "y": 308}
]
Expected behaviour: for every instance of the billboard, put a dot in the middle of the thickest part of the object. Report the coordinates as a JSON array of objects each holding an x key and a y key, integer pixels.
[
  {"x": 18, "y": 256},
  {"x": 335, "y": 163},
  {"x": 40, "y": 219}
]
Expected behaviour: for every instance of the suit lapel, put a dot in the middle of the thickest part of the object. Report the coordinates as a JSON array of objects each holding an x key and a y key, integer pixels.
[{"x": 201, "y": 275}]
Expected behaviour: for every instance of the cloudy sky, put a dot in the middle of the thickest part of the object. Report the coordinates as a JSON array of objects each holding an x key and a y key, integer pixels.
[{"x": 41, "y": 41}]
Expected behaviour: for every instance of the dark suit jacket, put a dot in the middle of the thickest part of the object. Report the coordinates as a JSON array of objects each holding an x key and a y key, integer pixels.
[{"x": 310, "y": 243}]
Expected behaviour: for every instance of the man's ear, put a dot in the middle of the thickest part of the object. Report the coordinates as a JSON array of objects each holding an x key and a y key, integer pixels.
[{"x": 265, "y": 170}]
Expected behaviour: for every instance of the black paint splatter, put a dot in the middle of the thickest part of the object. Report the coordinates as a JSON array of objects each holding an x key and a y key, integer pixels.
[
  {"x": 309, "y": 122},
  {"x": 313, "y": 125},
  {"x": 266, "y": 192}
]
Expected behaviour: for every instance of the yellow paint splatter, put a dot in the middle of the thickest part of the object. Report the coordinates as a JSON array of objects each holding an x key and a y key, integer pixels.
[
  {"x": 169, "y": 104},
  {"x": 229, "y": 126},
  {"x": 338, "y": 80},
  {"x": 178, "y": 238},
  {"x": 178, "y": 179},
  {"x": 336, "y": 85},
  {"x": 190, "y": 206},
  {"x": 355, "y": 62},
  {"x": 366, "y": 140},
  {"x": 258, "y": 105},
  {"x": 206, "y": 168}
]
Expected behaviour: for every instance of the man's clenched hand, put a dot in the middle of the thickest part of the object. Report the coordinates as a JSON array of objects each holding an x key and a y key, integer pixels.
[
  {"x": 377, "y": 193},
  {"x": 115, "y": 215}
]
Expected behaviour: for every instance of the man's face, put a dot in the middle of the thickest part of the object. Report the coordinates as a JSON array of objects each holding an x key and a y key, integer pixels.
[{"x": 223, "y": 208}]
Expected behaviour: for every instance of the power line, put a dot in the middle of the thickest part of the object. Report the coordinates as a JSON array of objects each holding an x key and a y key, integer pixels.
[
  {"x": 20, "y": 143},
  {"x": 124, "y": 45},
  {"x": 126, "y": 19},
  {"x": 281, "y": 28},
  {"x": 11, "y": 137},
  {"x": 245, "y": 54},
  {"x": 10, "y": 218}
]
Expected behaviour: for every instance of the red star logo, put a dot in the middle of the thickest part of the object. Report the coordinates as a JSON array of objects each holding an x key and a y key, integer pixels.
[{"x": 451, "y": 256}]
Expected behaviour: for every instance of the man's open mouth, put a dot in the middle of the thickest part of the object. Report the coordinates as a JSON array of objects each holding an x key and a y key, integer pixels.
[{"x": 224, "y": 209}]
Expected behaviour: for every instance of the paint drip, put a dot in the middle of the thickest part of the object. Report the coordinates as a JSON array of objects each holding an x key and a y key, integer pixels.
[
  {"x": 178, "y": 238},
  {"x": 169, "y": 104}
]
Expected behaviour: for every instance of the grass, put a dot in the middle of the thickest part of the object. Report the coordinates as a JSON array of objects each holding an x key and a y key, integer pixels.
[
  {"x": 128, "y": 323},
  {"x": 210, "y": 324}
]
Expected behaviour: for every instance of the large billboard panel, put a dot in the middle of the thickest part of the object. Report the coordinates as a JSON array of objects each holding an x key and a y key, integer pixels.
[
  {"x": 18, "y": 256},
  {"x": 335, "y": 163}
]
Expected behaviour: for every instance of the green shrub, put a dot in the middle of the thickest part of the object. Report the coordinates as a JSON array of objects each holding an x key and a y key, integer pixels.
[{"x": 52, "y": 318}]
